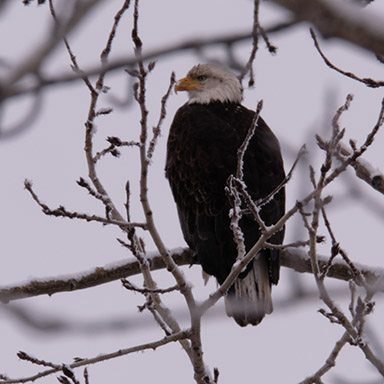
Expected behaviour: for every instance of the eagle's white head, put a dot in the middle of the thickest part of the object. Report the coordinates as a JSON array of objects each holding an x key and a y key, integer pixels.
[{"x": 206, "y": 83}]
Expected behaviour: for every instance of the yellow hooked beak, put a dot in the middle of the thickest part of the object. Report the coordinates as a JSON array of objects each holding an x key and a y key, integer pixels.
[{"x": 186, "y": 84}]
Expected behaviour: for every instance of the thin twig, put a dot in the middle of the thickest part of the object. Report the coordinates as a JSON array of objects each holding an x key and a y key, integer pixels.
[
  {"x": 295, "y": 244},
  {"x": 244, "y": 145},
  {"x": 266, "y": 199},
  {"x": 336, "y": 250},
  {"x": 330, "y": 362},
  {"x": 27, "y": 357},
  {"x": 163, "y": 113},
  {"x": 72, "y": 56},
  {"x": 357, "y": 153},
  {"x": 86, "y": 376},
  {"x": 84, "y": 184},
  {"x": 62, "y": 212},
  {"x": 132, "y": 287},
  {"x": 366, "y": 80},
  {"x": 252, "y": 207},
  {"x": 255, "y": 44},
  {"x": 114, "y": 142},
  {"x": 235, "y": 214}
]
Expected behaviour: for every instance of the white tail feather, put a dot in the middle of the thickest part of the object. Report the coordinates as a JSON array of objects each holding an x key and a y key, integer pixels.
[{"x": 249, "y": 299}]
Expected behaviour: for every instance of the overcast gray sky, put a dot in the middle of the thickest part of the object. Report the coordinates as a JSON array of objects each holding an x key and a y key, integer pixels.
[{"x": 300, "y": 95}]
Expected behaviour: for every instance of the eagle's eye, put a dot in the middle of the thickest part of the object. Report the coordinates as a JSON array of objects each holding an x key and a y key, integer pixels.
[{"x": 202, "y": 78}]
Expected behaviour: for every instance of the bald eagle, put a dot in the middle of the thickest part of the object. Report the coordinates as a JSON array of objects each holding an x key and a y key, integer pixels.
[{"x": 204, "y": 138}]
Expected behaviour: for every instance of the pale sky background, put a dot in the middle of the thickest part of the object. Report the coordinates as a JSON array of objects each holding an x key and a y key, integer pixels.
[{"x": 300, "y": 96}]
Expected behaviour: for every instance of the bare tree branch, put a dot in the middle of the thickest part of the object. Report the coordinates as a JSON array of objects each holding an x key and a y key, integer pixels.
[
  {"x": 194, "y": 348},
  {"x": 84, "y": 362},
  {"x": 360, "y": 308},
  {"x": 330, "y": 361},
  {"x": 131, "y": 61},
  {"x": 366, "y": 80},
  {"x": 63, "y": 212},
  {"x": 292, "y": 258},
  {"x": 33, "y": 61},
  {"x": 345, "y": 20},
  {"x": 365, "y": 171}
]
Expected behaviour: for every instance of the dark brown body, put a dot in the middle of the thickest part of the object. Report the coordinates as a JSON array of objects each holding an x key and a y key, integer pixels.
[{"x": 201, "y": 155}]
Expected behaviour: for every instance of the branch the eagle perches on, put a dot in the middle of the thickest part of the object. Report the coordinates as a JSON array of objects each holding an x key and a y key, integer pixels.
[{"x": 292, "y": 258}]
